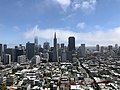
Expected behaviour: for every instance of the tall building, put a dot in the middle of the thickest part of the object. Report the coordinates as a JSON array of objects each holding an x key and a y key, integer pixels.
[
  {"x": 69, "y": 55},
  {"x": 36, "y": 45},
  {"x": 21, "y": 59},
  {"x": 83, "y": 51},
  {"x": 55, "y": 49},
  {"x": 110, "y": 47},
  {"x": 71, "y": 43},
  {"x": 11, "y": 51},
  {"x": 79, "y": 52},
  {"x": 30, "y": 50},
  {"x": 116, "y": 46},
  {"x": 35, "y": 59},
  {"x": 63, "y": 56},
  {"x": 62, "y": 46},
  {"x": 36, "y": 40},
  {"x": 97, "y": 47},
  {"x": 46, "y": 46},
  {"x": 50, "y": 56},
  {"x": 5, "y": 47},
  {"x": 102, "y": 49},
  {"x": 18, "y": 52},
  {"x": 7, "y": 59},
  {"x": 0, "y": 49}
]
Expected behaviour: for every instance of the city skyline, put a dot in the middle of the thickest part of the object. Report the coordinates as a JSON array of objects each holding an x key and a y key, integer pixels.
[
  {"x": 91, "y": 21},
  {"x": 36, "y": 40}
]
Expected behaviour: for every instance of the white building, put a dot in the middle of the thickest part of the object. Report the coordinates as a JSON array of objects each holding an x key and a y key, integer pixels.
[
  {"x": 21, "y": 59},
  {"x": 35, "y": 59}
]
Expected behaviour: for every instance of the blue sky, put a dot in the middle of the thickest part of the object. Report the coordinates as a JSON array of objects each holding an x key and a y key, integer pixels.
[{"x": 90, "y": 21}]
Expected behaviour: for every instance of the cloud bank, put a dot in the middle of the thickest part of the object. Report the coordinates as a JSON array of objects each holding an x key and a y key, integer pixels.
[
  {"x": 107, "y": 37},
  {"x": 77, "y": 4}
]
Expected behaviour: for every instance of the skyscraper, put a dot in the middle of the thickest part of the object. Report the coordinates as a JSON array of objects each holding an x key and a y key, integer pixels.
[
  {"x": 116, "y": 46},
  {"x": 1, "y": 56},
  {"x": 83, "y": 51},
  {"x": 62, "y": 46},
  {"x": 110, "y": 47},
  {"x": 5, "y": 47},
  {"x": 11, "y": 51},
  {"x": 36, "y": 45},
  {"x": 18, "y": 52},
  {"x": 97, "y": 47},
  {"x": 7, "y": 59},
  {"x": 55, "y": 49},
  {"x": 102, "y": 49},
  {"x": 30, "y": 50},
  {"x": 71, "y": 43},
  {"x": 63, "y": 56},
  {"x": 0, "y": 49},
  {"x": 36, "y": 40}
]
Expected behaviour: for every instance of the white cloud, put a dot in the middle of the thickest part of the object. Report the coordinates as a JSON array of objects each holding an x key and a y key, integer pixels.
[
  {"x": 63, "y": 3},
  {"x": 107, "y": 37},
  {"x": 47, "y": 34},
  {"x": 81, "y": 25},
  {"x": 77, "y": 4},
  {"x": 84, "y": 4}
]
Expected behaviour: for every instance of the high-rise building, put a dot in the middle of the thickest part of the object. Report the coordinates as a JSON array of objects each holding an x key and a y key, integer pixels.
[
  {"x": 37, "y": 49},
  {"x": 63, "y": 56},
  {"x": 30, "y": 50},
  {"x": 36, "y": 40},
  {"x": 46, "y": 46},
  {"x": 71, "y": 43},
  {"x": 62, "y": 46},
  {"x": 97, "y": 47},
  {"x": 116, "y": 46},
  {"x": 0, "y": 59},
  {"x": 69, "y": 55},
  {"x": 50, "y": 56},
  {"x": 21, "y": 59},
  {"x": 110, "y": 47},
  {"x": 55, "y": 49},
  {"x": 7, "y": 59},
  {"x": 0, "y": 49},
  {"x": 11, "y": 51},
  {"x": 36, "y": 45},
  {"x": 79, "y": 52},
  {"x": 5, "y": 47},
  {"x": 35, "y": 59},
  {"x": 118, "y": 51},
  {"x": 102, "y": 49},
  {"x": 18, "y": 52},
  {"x": 83, "y": 51}
]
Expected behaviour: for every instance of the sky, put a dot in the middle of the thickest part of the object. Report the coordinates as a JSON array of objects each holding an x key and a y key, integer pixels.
[{"x": 89, "y": 21}]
